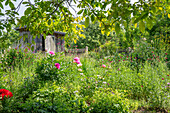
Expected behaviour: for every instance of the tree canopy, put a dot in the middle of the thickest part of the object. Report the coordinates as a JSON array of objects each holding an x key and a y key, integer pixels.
[{"x": 44, "y": 17}]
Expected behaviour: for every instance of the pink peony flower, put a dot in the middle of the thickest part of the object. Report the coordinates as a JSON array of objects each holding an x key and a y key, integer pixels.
[
  {"x": 51, "y": 52},
  {"x": 57, "y": 65},
  {"x": 103, "y": 65},
  {"x": 78, "y": 62},
  {"x": 76, "y": 59}
]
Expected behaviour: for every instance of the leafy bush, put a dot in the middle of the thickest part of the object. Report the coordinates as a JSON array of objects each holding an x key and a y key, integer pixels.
[
  {"x": 46, "y": 69},
  {"x": 109, "y": 102}
]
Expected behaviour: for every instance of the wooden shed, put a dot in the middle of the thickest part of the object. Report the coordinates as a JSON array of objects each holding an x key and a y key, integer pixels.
[{"x": 52, "y": 42}]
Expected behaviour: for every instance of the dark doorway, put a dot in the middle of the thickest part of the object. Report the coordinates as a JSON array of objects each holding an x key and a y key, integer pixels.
[{"x": 43, "y": 43}]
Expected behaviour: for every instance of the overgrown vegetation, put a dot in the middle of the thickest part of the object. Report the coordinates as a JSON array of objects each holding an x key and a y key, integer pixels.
[{"x": 39, "y": 86}]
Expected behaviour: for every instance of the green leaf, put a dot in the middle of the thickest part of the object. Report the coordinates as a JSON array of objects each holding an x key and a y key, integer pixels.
[
  {"x": 11, "y": 5},
  {"x": 25, "y": 3},
  {"x": 1, "y": 5},
  {"x": 80, "y": 12},
  {"x": 7, "y": 2},
  {"x": 141, "y": 17},
  {"x": 1, "y": 14},
  {"x": 117, "y": 28},
  {"x": 87, "y": 22},
  {"x": 49, "y": 22},
  {"x": 27, "y": 11},
  {"x": 142, "y": 26},
  {"x": 149, "y": 24},
  {"x": 92, "y": 18},
  {"x": 85, "y": 12}
]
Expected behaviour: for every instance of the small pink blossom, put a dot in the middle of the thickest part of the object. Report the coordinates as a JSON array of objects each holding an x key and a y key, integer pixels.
[
  {"x": 103, "y": 65},
  {"x": 166, "y": 53},
  {"x": 51, "y": 52},
  {"x": 57, "y": 65},
  {"x": 78, "y": 62},
  {"x": 76, "y": 59},
  {"x": 162, "y": 78}
]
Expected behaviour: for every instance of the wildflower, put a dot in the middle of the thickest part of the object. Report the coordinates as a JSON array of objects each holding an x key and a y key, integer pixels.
[
  {"x": 51, "y": 52},
  {"x": 16, "y": 48},
  {"x": 168, "y": 83},
  {"x": 166, "y": 58},
  {"x": 111, "y": 61},
  {"x": 167, "y": 75},
  {"x": 104, "y": 82},
  {"x": 78, "y": 62},
  {"x": 79, "y": 65},
  {"x": 76, "y": 59},
  {"x": 166, "y": 53},
  {"x": 103, "y": 65},
  {"x": 75, "y": 91},
  {"x": 152, "y": 51},
  {"x": 79, "y": 69},
  {"x": 162, "y": 78},
  {"x": 81, "y": 74},
  {"x": 57, "y": 65},
  {"x": 98, "y": 75},
  {"x": 153, "y": 55},
  {"x": 141, "y": 85},
  {"x": 4, "y": 92},
  {"x": 118, "y": 69}
]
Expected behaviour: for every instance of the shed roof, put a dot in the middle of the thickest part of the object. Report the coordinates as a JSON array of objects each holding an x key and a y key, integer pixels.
[{"x": 24, "y": 29}]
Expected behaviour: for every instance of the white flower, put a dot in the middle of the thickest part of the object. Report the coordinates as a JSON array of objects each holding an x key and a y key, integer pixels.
[
  {"x": 104, "y": 82},
  {"x": 79, "y": 65},
  {"x": 75, "y": 91},
  {"x": 81, "y": 74}
]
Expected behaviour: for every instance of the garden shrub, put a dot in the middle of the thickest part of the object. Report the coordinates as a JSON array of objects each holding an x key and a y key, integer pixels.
[
  {"x": 110, "y": 102},
  {"x": 54, "y": 99}
]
